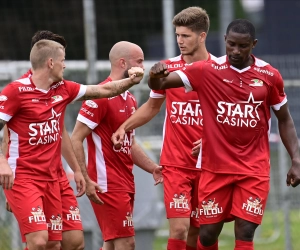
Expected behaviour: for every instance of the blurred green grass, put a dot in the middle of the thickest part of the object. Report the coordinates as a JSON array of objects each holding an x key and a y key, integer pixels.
[{"x": 270, "y": 235}]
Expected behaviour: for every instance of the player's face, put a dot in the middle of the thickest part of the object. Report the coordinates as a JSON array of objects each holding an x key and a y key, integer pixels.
[
  {"x": 239, "y": 49},
  {"x": 187, "y": 40},
  {"x": 136, "y": 60},
  {"x": 59, "y": 66}
]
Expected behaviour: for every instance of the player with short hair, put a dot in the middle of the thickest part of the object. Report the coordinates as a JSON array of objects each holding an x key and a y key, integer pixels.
[
  {"x": 33, "y": 109},
  {"x": 236, "y": 93},
  {"x": 182, "y": 128},
  {"x": 109, "y": 169},
  {"x": 72, "y": 236}
]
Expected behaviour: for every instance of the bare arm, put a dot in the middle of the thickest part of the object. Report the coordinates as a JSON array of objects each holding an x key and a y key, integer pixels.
[
  {"x": 69, "y": 155},
  {"x": 80, "y": 132},
  {"x": 289, "y": 138},
  {"x": 144, "y": 162},
  {"x": 6, "y": 174},
  {"x": 5, "y": 141},
  {"x": 114, "y": 88},
  {"x": 161, "y": 78},
  {"x": 140, "y": 117}
]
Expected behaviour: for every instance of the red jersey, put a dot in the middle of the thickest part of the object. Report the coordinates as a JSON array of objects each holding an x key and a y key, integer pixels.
[
  {"x": 183, "y": 122},
  {"x": 236, "y": 111},
  {"x": 34, "y": 120},
  {"x": 61, "y": 174},
  {"x": 109, "y": 167}
]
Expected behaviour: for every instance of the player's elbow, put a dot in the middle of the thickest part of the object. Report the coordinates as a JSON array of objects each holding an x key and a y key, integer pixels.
[{"x": 156, "y": 84}]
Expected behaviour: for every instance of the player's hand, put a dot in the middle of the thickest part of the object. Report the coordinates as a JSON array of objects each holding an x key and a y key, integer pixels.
[
  {"x": 7, "y": 206},
  {"x": 136, "y": 74},
  {"x": 6, "y": 175},
  {"x": 92, "y": 190},
  {"x": 157, "y": 175},
  {"x": 80, "y": 183},
  {"x": 293, "y": 176},
  {"x": 118, "y": 137},
  {"x": 159, "y": 70},
  {"x": 196, "y": 149}
]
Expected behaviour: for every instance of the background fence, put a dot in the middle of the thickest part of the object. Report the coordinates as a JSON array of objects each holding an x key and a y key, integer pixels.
[{"x": 147, "y": 23}]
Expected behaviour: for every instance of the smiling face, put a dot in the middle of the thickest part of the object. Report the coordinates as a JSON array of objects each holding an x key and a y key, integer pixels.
[
  {"x": 239, "y": 49},
  {"x": 187, "y": 40}
]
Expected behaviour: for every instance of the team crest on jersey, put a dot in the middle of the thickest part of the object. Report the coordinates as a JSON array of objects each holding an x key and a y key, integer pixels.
[
  {"x": 3, "y": 98},
  {"x": 56, "y": 98},
  {"x": 55, "y": 223},
  {"x": 253, "y": 206},
  {"x": 179, "y": 202},
  {"x": 91, "y": 104},
  {"x": 129, "y": 221},
  {"x": 37, "y": 216},
  {"x": 257, "y": 82},
  {"x": 210, "y": 208}
]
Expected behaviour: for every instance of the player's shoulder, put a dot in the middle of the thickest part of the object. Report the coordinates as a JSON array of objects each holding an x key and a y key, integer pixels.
[{"x": 264, "y": 68}]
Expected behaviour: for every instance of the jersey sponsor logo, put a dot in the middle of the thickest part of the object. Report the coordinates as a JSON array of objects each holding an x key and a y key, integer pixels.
[
  {"x": 264, "y": 71},
  {"x": 37, "y": 216},
  {"x": 87, "y": 112},
  {"x": 57, "y": 98},
  {"x": 210, "y": 208},
  {"x": 74, "y": 214},
  {"x": 122, "y": 110},
  {"x": 219, "y": 67},
  {"x": 127, "y": 143},
  {"x": 253, "y": 206},
  {"x": 226, "y": 80},
  {"x": 35, "y": 100},
  {"x": 256, "y": 82},
  {"x": 243, "y": 114},
  {"x": 129, "y": 221},
  {"x": 3, "y": 98},
  {"x": 55, "y": 223},
  {"x": 175, "y": 65},
  {"x": 22, "y": 89},
  {"x": 91, "y": 104},
  {"x": 186, "y": 113},
  {"x": 133, "y": 110},
  {"x": 45, "y": 132},
  {"x": 179, "y": 202},
  {"x": 57, "y": 85}
]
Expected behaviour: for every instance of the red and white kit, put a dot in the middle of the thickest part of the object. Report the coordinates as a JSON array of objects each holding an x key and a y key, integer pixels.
[
  {"x": 34, "y": 120},
  {"x": 236, "y": 110},
  {"x": 182, "y": 126},
  {"x": 111, "y": 168}
]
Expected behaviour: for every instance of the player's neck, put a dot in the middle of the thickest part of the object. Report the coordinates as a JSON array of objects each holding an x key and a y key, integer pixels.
[
  {"x": 200, "y": 55},
  {"x": 41, "y": 80}
]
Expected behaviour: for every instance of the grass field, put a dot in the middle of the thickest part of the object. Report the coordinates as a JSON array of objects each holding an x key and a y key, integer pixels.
[{"x": 270, "y": 235}]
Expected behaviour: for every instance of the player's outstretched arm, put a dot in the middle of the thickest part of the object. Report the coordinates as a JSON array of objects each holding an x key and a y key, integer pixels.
[
  {"x": 114, "y": 88},
  {"x": 6, "y": 174},
  {"x": 69, "y": 155},
  {"x": 80, "y": 132},
  {"x": 289, "y": 138},
  {"x": 140, "y": 117},
  {"x": 160, "y": 78},
  {"x": 144, "y": 162}
]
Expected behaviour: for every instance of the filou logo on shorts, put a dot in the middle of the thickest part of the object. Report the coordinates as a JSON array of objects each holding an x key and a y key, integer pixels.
[
  {"x": 74, "y": 214},
  {"x": 253, "y": 206},
  {"x": 38, "y": 215},
  {"x": 128, "y": 222},
  {"x": 210, "y": 208},
  {"x": 55, "y": 223},
  {"x": 179, "y": 202},
  {"x": 195, "y": 213}
]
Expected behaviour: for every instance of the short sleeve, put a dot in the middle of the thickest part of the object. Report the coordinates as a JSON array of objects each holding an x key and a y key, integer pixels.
[
  {"x": 75, "y": 90},
  {"x": 278, "y": 97},
  {"x": 92, "y": 112},
  {"x": 9, "y": 103},
  {"x": 157, "y": 93}
]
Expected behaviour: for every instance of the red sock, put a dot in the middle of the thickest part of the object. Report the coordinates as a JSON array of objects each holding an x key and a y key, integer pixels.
[
  {"x": 243, "y": 245},
  {"x": 213, "y": 247},
  {"x": 190, "y": 248},
  {"x": 174, "y": 244}
]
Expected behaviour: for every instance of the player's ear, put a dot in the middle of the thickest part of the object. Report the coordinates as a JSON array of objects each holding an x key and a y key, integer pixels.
[
  {"x": 254, "y": 43},
  {"x": 50, "y": 63},
  {"x": 122, "y": 63}
]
